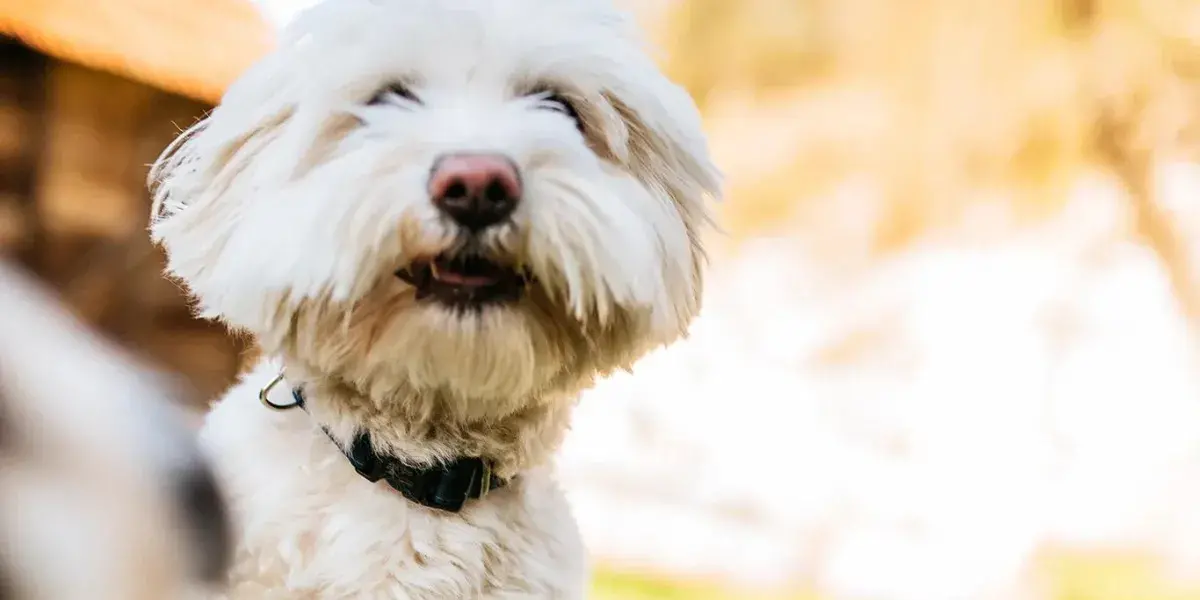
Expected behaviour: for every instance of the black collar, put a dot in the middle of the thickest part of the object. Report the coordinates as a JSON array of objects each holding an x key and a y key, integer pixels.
[{"x": 444, "y": 487}]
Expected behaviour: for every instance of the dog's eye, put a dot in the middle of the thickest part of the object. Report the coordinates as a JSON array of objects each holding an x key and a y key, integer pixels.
[
  {"x": 556, "y": 102},
  {"x": 394, "y": 93}
]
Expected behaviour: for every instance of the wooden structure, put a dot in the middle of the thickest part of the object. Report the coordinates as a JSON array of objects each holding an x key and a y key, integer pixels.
[{"x": 90, "y": 93}]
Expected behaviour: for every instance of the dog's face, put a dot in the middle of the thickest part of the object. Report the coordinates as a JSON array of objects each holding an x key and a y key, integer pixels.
[
  {"x": 104, "y": 494},
  {"x": 492, "y": 198}
]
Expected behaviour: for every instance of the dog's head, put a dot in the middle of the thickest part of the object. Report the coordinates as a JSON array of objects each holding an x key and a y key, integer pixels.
[
  {"x": 491, "y": 198},
  {"x": 104, "y": 493}
]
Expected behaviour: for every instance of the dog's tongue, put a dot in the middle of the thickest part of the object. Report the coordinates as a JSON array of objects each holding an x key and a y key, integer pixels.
[
  {"x": 462, "y": 279},
  {"x": 469, "y": 275}
]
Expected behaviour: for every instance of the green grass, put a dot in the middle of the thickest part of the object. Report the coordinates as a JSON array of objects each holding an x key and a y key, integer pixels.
[
  {"x": 1113, "y": 577},
  {"x": 613, "y": 585},
  {"x": 1065, "y": 576}
]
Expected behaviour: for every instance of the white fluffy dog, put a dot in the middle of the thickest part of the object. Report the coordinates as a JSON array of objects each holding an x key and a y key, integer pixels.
[
  {"x": 442, "y": 219},
  {"x": 104, "y": 494}
]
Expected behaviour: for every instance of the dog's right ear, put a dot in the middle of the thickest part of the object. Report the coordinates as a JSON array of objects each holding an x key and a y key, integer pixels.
[{"x": 202, "y": 182}]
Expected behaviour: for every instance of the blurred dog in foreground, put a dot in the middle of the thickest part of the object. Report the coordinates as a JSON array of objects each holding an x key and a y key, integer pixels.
[
  {"x": 444, "y": 219},
  {"x": 103, "y": 492}
]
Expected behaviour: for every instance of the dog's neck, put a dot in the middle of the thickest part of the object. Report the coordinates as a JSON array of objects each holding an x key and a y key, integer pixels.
[{"x": 424, "y": 428}]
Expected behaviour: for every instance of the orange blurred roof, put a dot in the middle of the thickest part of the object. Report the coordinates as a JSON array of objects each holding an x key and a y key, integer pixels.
[{"x": 191, "y": 47}]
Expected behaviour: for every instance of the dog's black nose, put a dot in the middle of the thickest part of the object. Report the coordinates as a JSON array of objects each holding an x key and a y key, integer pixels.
[{"x": 476, "y": 190}]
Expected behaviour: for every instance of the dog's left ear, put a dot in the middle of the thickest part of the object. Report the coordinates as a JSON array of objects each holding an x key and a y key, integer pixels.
[
  {"x": 657, "y": 134},
  {"x": 668, "y": 147}
]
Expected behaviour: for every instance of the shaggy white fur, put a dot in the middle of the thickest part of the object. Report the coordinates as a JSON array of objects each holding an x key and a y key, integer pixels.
[
  {"x": 289, "y": 211},
  {"x": 104, "y": 494}
]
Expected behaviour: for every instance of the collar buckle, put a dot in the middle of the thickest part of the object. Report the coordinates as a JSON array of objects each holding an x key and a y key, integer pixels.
[{"x": 449, "y": 487}]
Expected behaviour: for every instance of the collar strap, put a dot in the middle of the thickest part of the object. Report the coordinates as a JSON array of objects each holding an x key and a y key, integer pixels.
[{"x": 445, "y": 487}]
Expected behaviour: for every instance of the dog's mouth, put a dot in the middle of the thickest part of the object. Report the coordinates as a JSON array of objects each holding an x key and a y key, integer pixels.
[{"x": 465, "y": 280}]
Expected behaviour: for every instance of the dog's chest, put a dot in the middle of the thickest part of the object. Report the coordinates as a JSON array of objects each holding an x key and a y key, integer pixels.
[{"x": 311, "y": 527}]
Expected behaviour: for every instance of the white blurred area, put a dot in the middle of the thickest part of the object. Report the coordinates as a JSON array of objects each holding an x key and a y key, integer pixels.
[
  {"x": 913, "y": 430},
  {"x": 280, "y": 12}
]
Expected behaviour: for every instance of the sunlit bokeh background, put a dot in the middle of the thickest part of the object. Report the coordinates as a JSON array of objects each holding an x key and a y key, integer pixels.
[{"x": 949, "y": 349}]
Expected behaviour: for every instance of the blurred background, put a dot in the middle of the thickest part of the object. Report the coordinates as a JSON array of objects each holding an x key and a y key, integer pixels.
[{"x": 950, "y": 346}]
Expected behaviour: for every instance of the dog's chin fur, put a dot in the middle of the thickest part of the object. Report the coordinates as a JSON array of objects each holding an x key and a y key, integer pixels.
[{"x": 288, "y": 211}]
